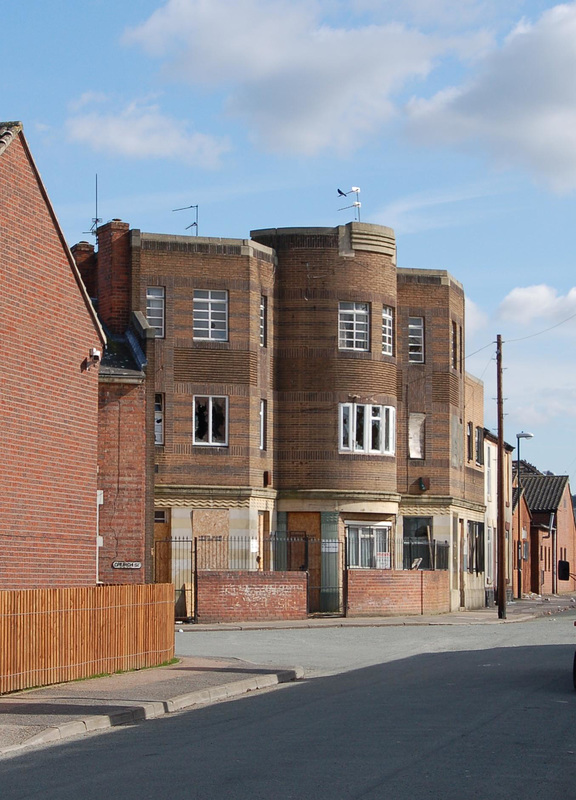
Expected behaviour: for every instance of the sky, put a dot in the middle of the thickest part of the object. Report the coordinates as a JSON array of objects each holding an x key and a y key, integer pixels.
[{"x": 456, "y": 118}]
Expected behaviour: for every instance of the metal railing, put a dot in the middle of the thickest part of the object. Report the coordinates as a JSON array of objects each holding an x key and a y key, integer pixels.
[{"x": 421, "y": 553}]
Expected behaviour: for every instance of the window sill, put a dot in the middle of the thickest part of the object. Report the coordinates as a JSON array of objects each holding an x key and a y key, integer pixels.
[{"x": 367, "y": 455}]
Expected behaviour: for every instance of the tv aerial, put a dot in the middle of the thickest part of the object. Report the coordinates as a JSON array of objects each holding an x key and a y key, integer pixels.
[
  {"x": 192, "y": 224},
  {"x": 96, "y": 219},
  {"x": 357, "y": 205}
]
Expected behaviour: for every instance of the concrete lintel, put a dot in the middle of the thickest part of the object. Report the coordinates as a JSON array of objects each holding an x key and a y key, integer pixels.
[
  {"x": 183, "y": 492},
  {"x": 131, "y": 379}
]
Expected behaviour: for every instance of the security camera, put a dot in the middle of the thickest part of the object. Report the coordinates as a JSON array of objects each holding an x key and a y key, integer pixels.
[{"x": 95, "y": 354}]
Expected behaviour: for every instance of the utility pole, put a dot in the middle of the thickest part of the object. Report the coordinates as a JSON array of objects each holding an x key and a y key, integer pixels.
[{"x": 501, "y": 531}]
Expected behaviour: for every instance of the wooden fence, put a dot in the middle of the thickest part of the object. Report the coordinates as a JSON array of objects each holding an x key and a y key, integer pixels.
[{"x": 56, "y": 635}]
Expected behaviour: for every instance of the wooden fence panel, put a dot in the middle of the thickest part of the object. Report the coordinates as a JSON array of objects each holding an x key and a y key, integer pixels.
[{"x": 56, "y": 635}]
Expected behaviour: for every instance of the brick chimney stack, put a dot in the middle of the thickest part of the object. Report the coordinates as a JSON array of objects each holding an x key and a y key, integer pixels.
[
  {"x": 85, "y": 259},
  {"x": 113, "y": 281}
]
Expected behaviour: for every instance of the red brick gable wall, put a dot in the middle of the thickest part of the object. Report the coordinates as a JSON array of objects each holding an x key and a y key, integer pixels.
[
  {"x": 49, "y": 432},
  {"x": 566, "y": 532}
]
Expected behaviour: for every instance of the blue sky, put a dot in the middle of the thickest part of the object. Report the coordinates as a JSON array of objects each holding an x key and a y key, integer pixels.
[{"x": 456, "y": 119}]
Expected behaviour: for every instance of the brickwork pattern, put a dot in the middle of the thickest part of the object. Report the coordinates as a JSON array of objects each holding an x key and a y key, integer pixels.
[
  {"x": 390, "y": 593},
  {"x": 122, "y": 478},
  {"x": 239, "y": 368},
  {"x": 225, "y": 596},
  {"x": 434, "y": 388},
  {"x": 49, "y": 435},
  {"x": 313, "y": 376}
]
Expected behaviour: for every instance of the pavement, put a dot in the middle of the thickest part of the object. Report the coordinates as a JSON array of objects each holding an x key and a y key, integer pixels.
[{"x": 41, "y": 716}]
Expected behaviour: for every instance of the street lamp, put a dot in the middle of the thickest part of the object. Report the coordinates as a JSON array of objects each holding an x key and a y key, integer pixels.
[{"x": 521, "y": 435}]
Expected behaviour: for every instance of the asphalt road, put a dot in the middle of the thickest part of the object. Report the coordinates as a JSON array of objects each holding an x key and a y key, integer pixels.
[
  {"x": 452, "y": 722},
  {"x": 326, "y": 651}
]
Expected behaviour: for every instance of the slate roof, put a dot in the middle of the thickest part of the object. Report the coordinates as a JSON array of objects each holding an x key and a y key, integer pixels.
[
  {"x": 543, "y": 492},
  {"x": 8, "y": 132},
  {"x": 122, "y": 357},
  {"x": 526, "y": 468}
]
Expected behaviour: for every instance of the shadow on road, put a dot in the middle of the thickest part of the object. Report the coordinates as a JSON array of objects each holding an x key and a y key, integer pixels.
[{"x": 474, "y": 724}]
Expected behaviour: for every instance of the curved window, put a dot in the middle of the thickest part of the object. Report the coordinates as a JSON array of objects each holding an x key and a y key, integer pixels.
[{"x": 367, "y": 429}]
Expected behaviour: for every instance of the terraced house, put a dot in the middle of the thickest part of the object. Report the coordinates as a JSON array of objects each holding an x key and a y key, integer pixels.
[{"x": 312, "y": 415}]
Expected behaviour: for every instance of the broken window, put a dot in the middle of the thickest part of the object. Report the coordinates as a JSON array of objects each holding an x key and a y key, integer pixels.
[
  {"x": 211, "y": 420},
  {"x": 158, "y": 419},
  {"x": 367, "y": 428},
  {"x": 263, "y": 321},
  {"x": 416, "y": 340}
]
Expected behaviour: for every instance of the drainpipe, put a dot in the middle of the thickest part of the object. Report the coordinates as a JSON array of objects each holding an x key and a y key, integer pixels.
[{"x": 554, "y": 555}]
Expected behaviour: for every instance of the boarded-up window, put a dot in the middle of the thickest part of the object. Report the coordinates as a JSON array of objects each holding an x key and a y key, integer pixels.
[{"x": 416, "y": 438}]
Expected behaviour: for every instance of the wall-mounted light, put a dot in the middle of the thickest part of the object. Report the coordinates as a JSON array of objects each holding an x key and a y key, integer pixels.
[{"x": 423, "y": 484}]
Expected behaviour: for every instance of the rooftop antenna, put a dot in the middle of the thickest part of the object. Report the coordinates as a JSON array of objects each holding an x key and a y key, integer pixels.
[
  {"x": 96, "y": 219},
  {"x": 193, "y": 224},
  {"x": 357, "y": 205}
]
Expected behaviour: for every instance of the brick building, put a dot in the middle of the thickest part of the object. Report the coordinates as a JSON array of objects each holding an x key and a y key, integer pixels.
[
  {"x": 125, "y": 421},
  {"x": 491, "y": 521},
  {"x": 552, "y": 530},
  {"x": 303, "y": 385},
  {"x": 49, "y": 386},
  {"x": 524, "y": 532}
]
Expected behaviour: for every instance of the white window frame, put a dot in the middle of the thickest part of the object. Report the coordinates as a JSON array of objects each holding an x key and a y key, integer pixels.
[
  {"x": 211, "y": 405},
  {"x": 263, "y": 424},
  {"x": 387, "y": 331},
  {"x": 416, "y": 340},
  {"x": 263, "y": 320},
  {"x": 158, "y": 418},
  {"x": 210, "y": 315},
  {"x": 366, "y": 428},
  {"x": 156, "y": 309},
  {"x": 373, "y": 546},
  {"x": 354, "y": 326}
]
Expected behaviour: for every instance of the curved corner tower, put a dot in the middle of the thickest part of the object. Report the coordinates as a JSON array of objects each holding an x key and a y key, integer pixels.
[{"x": 335, "y": 365}]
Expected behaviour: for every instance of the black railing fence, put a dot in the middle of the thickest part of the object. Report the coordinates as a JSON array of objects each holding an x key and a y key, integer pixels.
[
  {"x": 180, "y": 560},
  {"x": 426, "y": 554},
  {"x": 176, "y": 559}
]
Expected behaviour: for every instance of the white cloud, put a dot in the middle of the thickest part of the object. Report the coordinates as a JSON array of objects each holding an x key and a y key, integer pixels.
[
  {"x": 142, "y": 131},
  {"x": 524, "y": 305},
  {"x": 88, "y": 99},
  {"x": 300, "y": 84},
  {"x": 431, "y": 210},
  {"x": 441, "y": 13},
  {"x": 521, "y": 108},
  {"x": 476, "y": 319}
]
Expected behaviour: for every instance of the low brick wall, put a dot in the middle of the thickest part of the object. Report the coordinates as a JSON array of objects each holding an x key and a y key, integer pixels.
[
  {"x": 382, "y": 593},
  {"x": 235, "y": 596}
]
